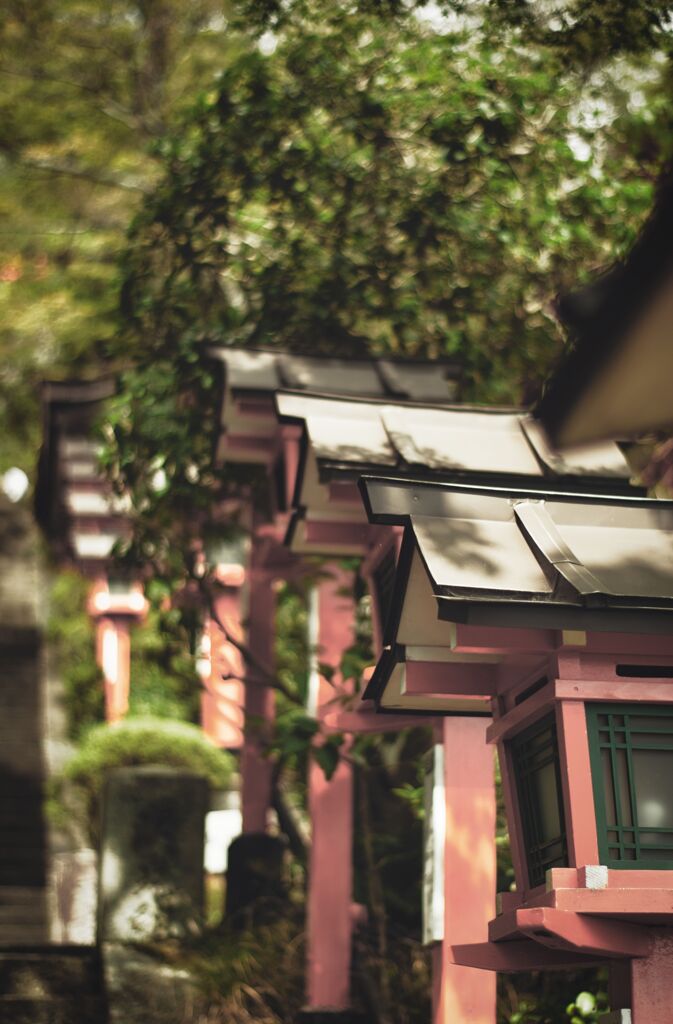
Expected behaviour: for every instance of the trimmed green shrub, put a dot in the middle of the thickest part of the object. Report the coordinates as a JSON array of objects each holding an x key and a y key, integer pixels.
[{"x": 76, "y": 793}]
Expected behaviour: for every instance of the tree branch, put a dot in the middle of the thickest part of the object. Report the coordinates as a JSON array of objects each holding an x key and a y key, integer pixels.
[
  {"x": 111, "y": 109},
  {"x": 52, "y": 167},
  {"x": 287, "y": 819},
  {"x": 266, "y": 676}
]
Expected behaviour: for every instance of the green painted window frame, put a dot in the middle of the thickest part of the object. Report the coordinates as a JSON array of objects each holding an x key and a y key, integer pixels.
[
  {"x": 622, "y": 836},
  {"x": 540, "y": 855}
]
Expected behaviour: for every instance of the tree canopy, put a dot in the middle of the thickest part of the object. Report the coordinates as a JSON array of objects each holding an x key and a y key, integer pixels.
[
  {"x": 359, "y": 183},
  {"x": 85, "y": 90},
  {"x": 412, "y": 106}
]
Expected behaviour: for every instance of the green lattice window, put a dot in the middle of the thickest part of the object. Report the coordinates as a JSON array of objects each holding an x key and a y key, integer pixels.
[
  {"x": 536, "y": 766},
  {"x": 631, "y": 749}
]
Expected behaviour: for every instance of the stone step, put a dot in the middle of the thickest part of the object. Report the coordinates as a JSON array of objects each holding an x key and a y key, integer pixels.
[
  {"x": 47, "y": 970},
  {"x": 23, "y": 914},
  {"x": 23, "y": 936},
  {"x": 23, "y": 910},
  {"x": 11, "y": 894},
  {"x": 83, "y": 1010},
  {"x": 31, "y": 874},
  {"x": 59, "y": 973}
]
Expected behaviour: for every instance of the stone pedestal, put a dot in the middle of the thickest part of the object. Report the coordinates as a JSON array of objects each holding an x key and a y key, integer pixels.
[
  {"x": 255, "y": 877},
  {"x": 151, "y": 860}
]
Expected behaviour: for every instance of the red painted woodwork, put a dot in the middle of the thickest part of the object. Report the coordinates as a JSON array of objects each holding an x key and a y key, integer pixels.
[
  {"x": 365, "y": 720},
  {"x": 561, "y": 929},
  {"x": 113, "y": 614},
  {"x": 329, "y": 921},
  {"x": 113, "y": 655},
  {"x": 223, "y": 670},
  {"x": 256, "y": 768},
  {"x": 290, "y": 435},
  {"x": 578, "y": 795},
  {"x": 435, "y": 678},
  {"x": 517, "y": 851},
  {"x": 333, "y": 533},
  {"x": 462, "y": 993},
  {"x": 515, "y": 956}
]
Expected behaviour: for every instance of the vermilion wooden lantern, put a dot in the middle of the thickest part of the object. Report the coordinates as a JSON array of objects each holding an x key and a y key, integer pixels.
[
  {"x": 328, "y": 442},
  {"x": 560, "y": 609},
  {"x": 114, "y": 604}
]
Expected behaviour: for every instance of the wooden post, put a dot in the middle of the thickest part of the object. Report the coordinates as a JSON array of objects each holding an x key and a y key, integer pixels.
[
  {"x": 222, "y": 670},
  {"x": 578, "y": 792},
  {"x": 113, "y": 655},
  {"x": 331, "y": 811},
  {"x": 462, "y": 994},
  {"x": 259, "y": 701}
]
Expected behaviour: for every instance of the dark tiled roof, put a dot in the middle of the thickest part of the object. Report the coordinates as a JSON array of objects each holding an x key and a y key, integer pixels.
[
  {"x": 456, "y": 442},
  {"x": 268, "y": 371},
  {"x": 536, "y": 558}
]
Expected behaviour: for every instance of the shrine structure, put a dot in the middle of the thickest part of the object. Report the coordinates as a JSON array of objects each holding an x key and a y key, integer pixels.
[
  {"x": 83, "y": 522},
  {"x": 309, "y": 451},
  {"x": 331, "y": 441},
  {"x": 558, "y": 610}
]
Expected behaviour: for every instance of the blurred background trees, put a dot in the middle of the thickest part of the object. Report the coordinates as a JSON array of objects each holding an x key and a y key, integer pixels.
[
  {"x": 445, "y": 166},
  {"x": 85, "y": 90},
  {"x": 375, "y": 176}
]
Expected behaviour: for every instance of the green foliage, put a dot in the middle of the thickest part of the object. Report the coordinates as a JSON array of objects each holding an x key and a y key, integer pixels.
[
  {"x": 164, "y": 681},
  {"x": 585, "y": 32},
  {"x": 587, "y": 1007},
  {"x": 386, "y": 188},
  {"x": 580, "y": 31},
  {"x": 292, "y": 655},
  {"x": 253, "y": 976},
  {"x": 85, "y": 89},
  {"x": 388, "y": 840},
  {"x": 137, "y": 741},
  {"x": 72, "y": 637},
  {"x": 375, "y": 186},
  {"x": 542, "y": 998},
  {"x": 259, "y": 976}
]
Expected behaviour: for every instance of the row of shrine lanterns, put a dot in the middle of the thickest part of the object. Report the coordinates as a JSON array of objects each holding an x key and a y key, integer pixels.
[{"x": 549, "y": 608}]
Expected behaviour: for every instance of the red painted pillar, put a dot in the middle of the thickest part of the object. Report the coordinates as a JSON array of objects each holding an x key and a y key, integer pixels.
[
  {"x": 113, "y": 611},
  {"x": 259, "y": 701},
  {"x": 113, "y": 655},
  {"x": 331, "y": 811},
  {"x": 222, "y": 669},
  {"x": 464, "y": 995}
]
